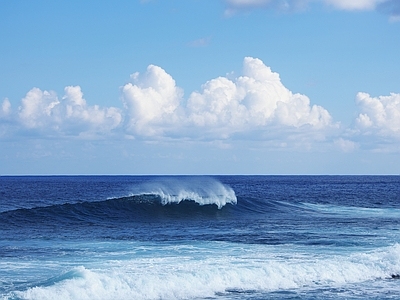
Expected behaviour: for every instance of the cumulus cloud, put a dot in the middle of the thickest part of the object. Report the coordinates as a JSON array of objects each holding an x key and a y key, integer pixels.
[
  {"x": 152, "y": 101},
  {"x": 378, "y": 115},
  {"x": 253, "y": 106},
  {"x": 255, "y": 101},
  {"x": 70, "y": 115}
]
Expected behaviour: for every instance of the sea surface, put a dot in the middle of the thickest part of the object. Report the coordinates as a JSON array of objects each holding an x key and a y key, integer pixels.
[{"x": 199, "y": 237}]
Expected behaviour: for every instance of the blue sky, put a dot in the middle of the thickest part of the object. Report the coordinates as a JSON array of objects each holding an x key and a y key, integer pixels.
[{"x": 200, "y": 87}]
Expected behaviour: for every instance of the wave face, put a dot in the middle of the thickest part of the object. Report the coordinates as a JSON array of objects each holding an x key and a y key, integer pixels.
[{"x": 152, "y": 201}]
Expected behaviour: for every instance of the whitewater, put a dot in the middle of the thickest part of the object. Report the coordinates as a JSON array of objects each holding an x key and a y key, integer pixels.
[{"x": 199, "y": 237}]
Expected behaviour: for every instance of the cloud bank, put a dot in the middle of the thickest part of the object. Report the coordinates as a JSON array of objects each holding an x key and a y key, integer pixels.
[{"x": 253, "y": 106}]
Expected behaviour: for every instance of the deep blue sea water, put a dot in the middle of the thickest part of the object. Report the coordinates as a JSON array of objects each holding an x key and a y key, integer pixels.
[{"x": 199, "y": 237}]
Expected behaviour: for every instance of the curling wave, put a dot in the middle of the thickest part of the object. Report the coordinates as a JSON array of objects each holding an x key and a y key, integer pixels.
[
  {"x": 203, "y": 191},
  {"x": 167, "y": 199}
]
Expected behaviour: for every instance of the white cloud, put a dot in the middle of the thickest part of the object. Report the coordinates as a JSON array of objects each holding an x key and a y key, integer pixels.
[
  {"x": 253, "y": 106},
  {"x": 5, "y": 108},
  {"x": 152, "y": 101},
  {"x": 378, "y": 115},
  {"x": 44, "y": 111},
  {"x": 354, "y": 4},
  {"x": 36, "y": 108},
  {"x": 202, "y": 42},
  {"x": 346, "y": 145},
  {"x": 252, "y": 102},
  {"x": 5, "y": 117},
  {"x": 95, "y": 118},
  {"x": 234, "y": 6}
]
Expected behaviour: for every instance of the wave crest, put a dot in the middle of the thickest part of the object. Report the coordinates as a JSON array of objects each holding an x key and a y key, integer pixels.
[{"x": 203, "y": 191}]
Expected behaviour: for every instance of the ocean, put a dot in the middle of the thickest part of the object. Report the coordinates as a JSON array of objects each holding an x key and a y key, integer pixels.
[{"x": 199, "y": 237}]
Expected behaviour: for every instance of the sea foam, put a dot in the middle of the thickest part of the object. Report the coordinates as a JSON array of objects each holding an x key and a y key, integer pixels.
[
  {"x": 187, "y": 277},
  {"x": 202, "y": 190}
]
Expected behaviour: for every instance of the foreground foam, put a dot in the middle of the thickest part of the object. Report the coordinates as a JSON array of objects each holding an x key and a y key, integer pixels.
[{"x": 187, "y": 276}]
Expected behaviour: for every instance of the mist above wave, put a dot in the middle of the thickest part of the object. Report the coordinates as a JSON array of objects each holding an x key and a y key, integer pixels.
[{"x": 202, "y": 190}]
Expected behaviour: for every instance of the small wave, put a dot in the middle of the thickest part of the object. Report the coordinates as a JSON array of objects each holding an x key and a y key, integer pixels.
[{"x": 353, "y": 211}]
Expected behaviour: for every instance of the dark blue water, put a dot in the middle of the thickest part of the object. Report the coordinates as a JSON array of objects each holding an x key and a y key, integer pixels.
[{"x": 199, "y": 237}]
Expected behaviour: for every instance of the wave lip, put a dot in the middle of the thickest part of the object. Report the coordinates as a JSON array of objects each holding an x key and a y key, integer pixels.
[{"x": 203, "y": 191}]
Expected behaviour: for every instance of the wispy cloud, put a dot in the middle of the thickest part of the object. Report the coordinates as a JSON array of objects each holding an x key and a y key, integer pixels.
[
  {"x": 354, "y": 4},
  {"x": 346, "y": 145},
  {"x": 389, "y": 7},
  {"x": 5, "y": 108},
  {"x": 235, "y": 6},
  {"x": 202, "y": 42},
  {"x": 287, "y": 4}
]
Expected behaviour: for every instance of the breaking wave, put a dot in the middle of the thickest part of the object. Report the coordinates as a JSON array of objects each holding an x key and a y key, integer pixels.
[
  {"x": 203, "y": 191},
  {"x": 251, "y": 271},
  {"x": 153, "y": 201}
]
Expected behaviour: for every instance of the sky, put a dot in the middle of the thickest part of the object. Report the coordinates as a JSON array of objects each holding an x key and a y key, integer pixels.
[{"x": 199, "y": 87}]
